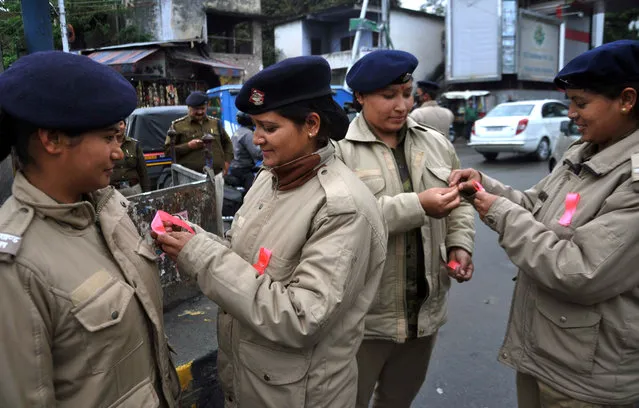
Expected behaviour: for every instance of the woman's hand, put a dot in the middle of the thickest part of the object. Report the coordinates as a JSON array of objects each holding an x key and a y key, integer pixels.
[
  {"x": 172, "y": 242},
  {"x": 483, "y": 201},
  {"x": 463, "y": 179},
  {"x": 465, "y": 269},
  {"x": 438, "y": 202}
]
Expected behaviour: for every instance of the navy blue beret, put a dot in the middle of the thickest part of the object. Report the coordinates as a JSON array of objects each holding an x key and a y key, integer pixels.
[
  {"x": 63, "y": 91},
  {"x": 379, "y": 69},
  {"x": 289, "y": 81},
  {"x": 196, "y": 98},
  {"x": 614, "y": 63},
  {"x": 428, "y": 85}
]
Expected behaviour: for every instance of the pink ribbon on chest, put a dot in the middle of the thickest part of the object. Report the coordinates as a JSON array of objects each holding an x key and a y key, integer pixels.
[
  {"x": 263, "y": 260},
  {"x": 572, "y": 199}
]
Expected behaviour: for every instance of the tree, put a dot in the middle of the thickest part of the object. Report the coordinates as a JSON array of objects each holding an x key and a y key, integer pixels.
[
  {"x": 622, "y": 25},
  {"x": 96, "y": 23},
  {"x": 437, "y": 7}
]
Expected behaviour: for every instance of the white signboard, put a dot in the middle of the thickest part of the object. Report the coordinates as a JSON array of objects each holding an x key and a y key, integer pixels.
[
  {"x": 538, "y": 47},
  {"x": 473, "y": 31}
]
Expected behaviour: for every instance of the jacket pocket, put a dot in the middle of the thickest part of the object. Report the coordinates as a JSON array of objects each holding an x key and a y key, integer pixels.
[
  {"x": 565, "y": 333},
  {"x": 373, "y": 179},
  {"x": 101, "y": 305},
  {"x": 142, "y": 396},
  {"x": 272, "y": 377},
  {"x": 441, "y": 173}
]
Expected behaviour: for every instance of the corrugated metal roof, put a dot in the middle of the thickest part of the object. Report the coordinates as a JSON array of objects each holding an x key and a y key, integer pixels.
[
  {"x": 220, "y": 68},
  {"x": 123, "y": 58}
]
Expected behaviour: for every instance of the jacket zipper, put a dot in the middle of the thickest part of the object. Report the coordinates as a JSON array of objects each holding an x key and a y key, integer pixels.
[{"x": 102, "y": 203}]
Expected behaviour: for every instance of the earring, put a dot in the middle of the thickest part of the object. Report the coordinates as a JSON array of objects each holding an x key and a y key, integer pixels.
[
  {"x": 623, "y": 110},
  {"x": 310, "y": 135}
]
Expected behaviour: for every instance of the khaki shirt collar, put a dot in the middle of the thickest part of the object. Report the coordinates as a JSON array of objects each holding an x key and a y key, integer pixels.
[
  {"x": 359, "y": 130},
  {"x": 206, "y": 119},
  {"x": 429, "y": 103},
  {"x": 604, "y": 161},
  {"x": 78, "y": 215}
]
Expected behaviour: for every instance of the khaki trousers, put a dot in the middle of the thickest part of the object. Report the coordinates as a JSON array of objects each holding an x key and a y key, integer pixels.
[
  {"x": 392, "y": 373},
  {"x": 532, "y": 393}
]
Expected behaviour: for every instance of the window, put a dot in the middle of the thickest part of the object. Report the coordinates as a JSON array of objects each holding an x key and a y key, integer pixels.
[
  {"x": 554, "y": 110},
  {"x": 510, "y": 110},
  {"x": 229, "y": 34},
  {"x": 337, "y": 76},
  {"x": 375, "y": 39},
  {"x": 316, "y": 46},
  {"x": 346, "y": 43}
]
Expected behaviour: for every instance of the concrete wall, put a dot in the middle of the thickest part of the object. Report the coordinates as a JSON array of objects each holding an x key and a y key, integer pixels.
[
  {"x": 421, "y": 36},
  {"x": 288, "y": 39},
  {"x": 234, "y": 6},
  {"x": 252, "y": 63}
]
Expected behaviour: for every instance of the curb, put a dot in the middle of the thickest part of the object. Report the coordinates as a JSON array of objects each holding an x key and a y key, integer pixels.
[{"x": 199, "y": 385}]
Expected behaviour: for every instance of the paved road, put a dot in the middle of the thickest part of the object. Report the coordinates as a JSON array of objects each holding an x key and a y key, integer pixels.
[{"x": 464, "y": 371}]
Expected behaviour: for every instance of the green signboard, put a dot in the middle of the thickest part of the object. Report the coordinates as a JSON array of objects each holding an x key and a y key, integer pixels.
[{"x": 362, "y": 24}]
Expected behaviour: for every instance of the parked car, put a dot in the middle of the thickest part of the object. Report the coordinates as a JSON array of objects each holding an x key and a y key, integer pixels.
[
  {"x": 525, "y": 127},
  {"x": 569, "y": 134}
]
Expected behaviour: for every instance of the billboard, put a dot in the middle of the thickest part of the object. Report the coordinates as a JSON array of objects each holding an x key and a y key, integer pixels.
[
  {"x": 538, "y": 47},
  {"x": 473, "y": 40}
]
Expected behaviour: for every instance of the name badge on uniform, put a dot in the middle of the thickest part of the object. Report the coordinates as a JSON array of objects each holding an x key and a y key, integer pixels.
[{"x": 9, "y": 244}]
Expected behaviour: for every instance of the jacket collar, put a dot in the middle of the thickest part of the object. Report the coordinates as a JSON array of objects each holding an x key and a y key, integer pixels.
[
  {"x": 79, "y": 215},
  {"x": 359, "y": 131},
  {"x": 297, "y": 172},
  {"x": 429, "y": 103},
  {"x": 606, "y": 160}
]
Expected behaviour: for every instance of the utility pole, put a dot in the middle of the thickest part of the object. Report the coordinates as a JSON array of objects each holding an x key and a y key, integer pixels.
[
  {"x": 383, "y": 32},
  {"x": 38, "y": 31},
  {"x": 63, "y": 26},
  {"x": 358, "y": 34}
]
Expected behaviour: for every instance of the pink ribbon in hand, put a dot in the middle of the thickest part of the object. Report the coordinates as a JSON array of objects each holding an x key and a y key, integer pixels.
[
  {"x": 157, "y": 225},
  {"x": 454, "y": 265},
  {"x": 572, "y": 199},
  {"x": 477, "y": 185},
  {"x": 263, "y": 260}
]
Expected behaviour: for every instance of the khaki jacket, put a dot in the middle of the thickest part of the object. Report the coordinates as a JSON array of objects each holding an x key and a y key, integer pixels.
[
  {"x": 291, "y": 335},
  {"x": 574, "y": 320},
  {"x": 188, "y": 129},
  {"x": 430, "y": 158},
  {"x": 82, "y": 305},
  {"x": 435, "y": 116}
]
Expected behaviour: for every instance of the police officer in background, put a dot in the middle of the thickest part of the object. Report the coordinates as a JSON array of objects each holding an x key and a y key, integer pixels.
[
  {"x": 428, "y": 112},
  {"x": 80, "y": 290},
  {"x": 189, "y": 130},
  {"x": 129, "y": 175},
  {"x": 246, "y": 154}
]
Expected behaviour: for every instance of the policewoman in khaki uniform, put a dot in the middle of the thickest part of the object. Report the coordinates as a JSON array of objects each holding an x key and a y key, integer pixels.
[
  {"x": 406, "y": 165},
  {"x": 573, "y": 332},
  {"x": 80, "y": 289},
  {"x": 130, "y": 176},
  {"x": 188, "y": 132},
  {"x": 291, "y": 325}
]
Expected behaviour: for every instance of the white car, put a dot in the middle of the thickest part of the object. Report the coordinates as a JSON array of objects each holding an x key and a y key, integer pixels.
[
  {"x": 569, "y": 134},
  {"x": 526, "y": 127}
]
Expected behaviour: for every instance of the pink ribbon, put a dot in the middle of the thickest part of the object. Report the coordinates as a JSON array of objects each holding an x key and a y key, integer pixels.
[
  {"x": 263, "y": 260},
  {"x": 454, "y": 265},
  {"x": 477, "y": 185},
  {"x": 157, "y": 224},
  {"x": 572, "y": 199}
]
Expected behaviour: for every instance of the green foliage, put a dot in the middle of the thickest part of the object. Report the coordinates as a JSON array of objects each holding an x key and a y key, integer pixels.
[
  {"x": 96, "y": 23},
  {"x": 622, "y": 25},
  {"x": 437, "y": 7}
]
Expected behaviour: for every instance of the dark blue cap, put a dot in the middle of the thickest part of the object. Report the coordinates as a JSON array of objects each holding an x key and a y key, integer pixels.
[
  {"x": 428, "y": 85},
  {"x": 614, "y": 63},
  {"x": 381, "y": 68},
  {"x": 63, "y": 91},
  {"x": 196, "y": 98},
  {"x": 289, "y": 81}
]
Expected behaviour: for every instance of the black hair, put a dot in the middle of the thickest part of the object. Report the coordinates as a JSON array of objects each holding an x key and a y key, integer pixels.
[
  {"x": 333, "y": 119},
  {"x": 17, "y": 133},
  {"x": 428, "y": 91},
  {"x": 244, "y": 119}
]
